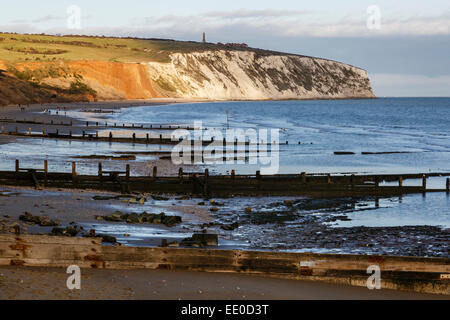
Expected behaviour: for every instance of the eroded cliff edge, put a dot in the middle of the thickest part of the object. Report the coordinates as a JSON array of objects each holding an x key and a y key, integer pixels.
[
  {"x": 249, "y": 75},
  {"x": 215, "y": 75}
]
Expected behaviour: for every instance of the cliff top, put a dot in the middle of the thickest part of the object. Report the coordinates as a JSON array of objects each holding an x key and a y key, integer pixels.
[{"x": 40, "y": 47}]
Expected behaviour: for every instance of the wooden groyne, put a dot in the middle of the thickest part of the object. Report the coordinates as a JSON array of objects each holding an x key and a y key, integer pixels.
[
  {"x": 425, "y": 275},
  {"x": 224, "y": 185},
  {"x": 87, "y": 135},
  {"x": 98, "y": 124}
]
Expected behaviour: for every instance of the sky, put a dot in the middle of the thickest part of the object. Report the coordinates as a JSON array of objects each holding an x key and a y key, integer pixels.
[{"x": 404, "y": 45}]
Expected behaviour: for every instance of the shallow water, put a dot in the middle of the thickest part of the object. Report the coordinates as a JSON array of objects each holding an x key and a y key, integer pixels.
[{"x": 417, "y": 127}]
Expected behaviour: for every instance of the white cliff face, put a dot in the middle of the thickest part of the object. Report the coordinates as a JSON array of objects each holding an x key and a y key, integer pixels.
[{"x": 249, "y": 75}]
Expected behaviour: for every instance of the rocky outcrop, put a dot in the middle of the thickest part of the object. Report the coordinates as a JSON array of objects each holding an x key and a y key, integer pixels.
[
  {"x": 209, "y": 74},
  {"x": 250, "y": 75}
]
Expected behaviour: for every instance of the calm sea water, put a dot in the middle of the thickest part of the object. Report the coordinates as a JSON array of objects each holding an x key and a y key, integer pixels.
[{"x": 417, "y": 127}]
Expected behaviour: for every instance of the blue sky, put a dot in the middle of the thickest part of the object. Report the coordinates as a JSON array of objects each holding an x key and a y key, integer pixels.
[{"x": 407, "y": 56}]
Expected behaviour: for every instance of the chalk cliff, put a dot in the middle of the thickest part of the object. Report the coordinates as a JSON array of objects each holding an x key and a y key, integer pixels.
[
  {"x": 207, "y": 74},
  {"x": 249, "y": 75}
]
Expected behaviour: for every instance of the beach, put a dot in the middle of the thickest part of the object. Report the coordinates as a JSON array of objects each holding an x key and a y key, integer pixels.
[
  {"x": 293, "y": 224},
  {"x": 50, "y": 283}
]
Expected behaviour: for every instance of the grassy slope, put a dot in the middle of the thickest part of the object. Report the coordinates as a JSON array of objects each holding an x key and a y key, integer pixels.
[{"x": 21, "y": 48}]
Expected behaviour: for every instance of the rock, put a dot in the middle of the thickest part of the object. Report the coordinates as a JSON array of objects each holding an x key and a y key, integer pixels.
[
  {"x": 106, "y": 238},
  {"x": 171, "y": 220},
  {"x": 200, "y": 240},
  {"x": 288, "y": 203},
  {"x": 40, "y": 220},
  {"x": 104, "y": 198},
  {"x": 230, "y": 227},
  {"x": 214, "y": 209},
  {"x": 248, "y": 210},
  {"x": 65, "y": 232},
  {"x": 216, "y": 204},
  {"x": 159, "y": 198},
  {"x": 173, "y": 244},
  {"x": 135, "y": 218}
]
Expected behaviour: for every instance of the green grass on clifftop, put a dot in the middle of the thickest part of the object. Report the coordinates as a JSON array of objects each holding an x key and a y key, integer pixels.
[{"x": 28, "y": 48}]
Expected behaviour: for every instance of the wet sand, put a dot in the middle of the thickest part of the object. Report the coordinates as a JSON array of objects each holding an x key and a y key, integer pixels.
[{"x": 50, "y": 283}]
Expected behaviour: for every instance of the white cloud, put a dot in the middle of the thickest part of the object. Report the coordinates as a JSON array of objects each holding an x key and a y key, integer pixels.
[
  {"x": 281, "y": 23},
  {"x": 245, "y": 13},
  {"x": 298, "y": 23}
]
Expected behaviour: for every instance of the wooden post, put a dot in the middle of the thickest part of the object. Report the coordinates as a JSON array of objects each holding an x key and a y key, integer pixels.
[
  {"x": 258, "y": 178},
  {"x": 329, "y": 179},
  {"x": 400, "y": 182},
  {"x": 110, "y": 135},
  {"x": 155, "y": 172},
  {"x": 127, "y": 172},
  {"x": 29, "y": 131},
  {"x": 100, "y": 170},
  {"x": 74, "y": 169},
  {"x": 160, "y": 138},
  {"x": 134, "y": 136},
  {"x": 303, "y": 175},
  {"x": 87, "y": 123},
  {"x": 96, "y": 134},
  {"x": 148, "y": 138},
  {"x": 43, "y": 131},
  {"x": 424, "y": 182},
  {"x": 447, "y": 185},
  {"x": 45, "y": 171},
  {"x": 205, "y": 185},
  {"x": 180, "y": 174},
  {"x": 233, "y": 174},
  {"x": 17, "y": 165}
]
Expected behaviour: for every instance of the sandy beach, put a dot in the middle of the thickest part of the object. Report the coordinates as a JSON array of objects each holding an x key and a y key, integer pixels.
[{"x": 50, "y": 283}]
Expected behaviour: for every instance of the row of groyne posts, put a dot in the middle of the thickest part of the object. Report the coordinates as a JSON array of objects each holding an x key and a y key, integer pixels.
[
  {"x": 97, "y": 124},
  {"x": 133, "y": 138},
  {"x": 202, "y": 182}
]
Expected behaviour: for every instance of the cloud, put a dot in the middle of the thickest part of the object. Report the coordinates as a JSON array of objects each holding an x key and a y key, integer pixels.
[
  {"x": 245, "y": 13},
  {"x": 297, "y": 24},
  {"x": 48, "y": 18}
]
